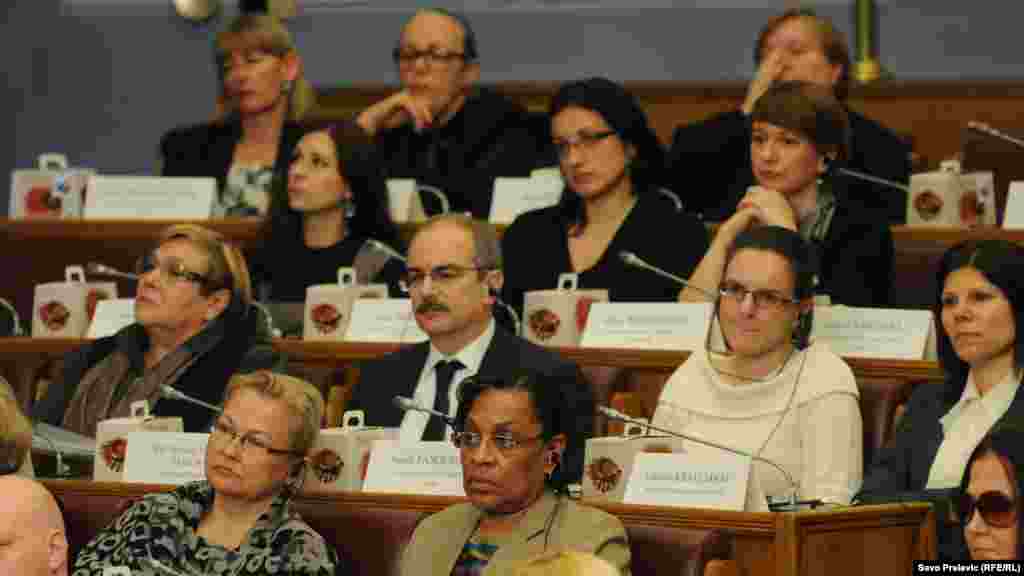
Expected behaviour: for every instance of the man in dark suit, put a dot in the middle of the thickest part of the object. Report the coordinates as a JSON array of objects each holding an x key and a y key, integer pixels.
[{"x": 454, "y": 276}]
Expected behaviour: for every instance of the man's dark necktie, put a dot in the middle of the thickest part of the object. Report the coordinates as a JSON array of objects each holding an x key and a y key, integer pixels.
[{"x": 445, "y": 371}]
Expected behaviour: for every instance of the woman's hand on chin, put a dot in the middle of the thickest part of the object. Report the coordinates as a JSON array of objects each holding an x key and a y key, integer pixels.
[{"x": 767, "y": 207}]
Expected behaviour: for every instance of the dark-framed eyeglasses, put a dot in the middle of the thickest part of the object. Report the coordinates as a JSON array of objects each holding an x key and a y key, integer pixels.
[
  {"x": 440, "y": 275},
  {"x": 171, "y": 268},
  {"x": 996, "y": 508},
  {"x": 737, "y": 293},
  {"x": 583, "y": 140},
  {"x": 406, "y": 56},
  {"x": 224, "y": 431},
  {"x": 503, "y": 441}
]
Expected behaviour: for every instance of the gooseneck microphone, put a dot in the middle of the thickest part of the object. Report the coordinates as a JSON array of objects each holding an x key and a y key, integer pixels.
[
  {"x": 988, "y": 130},
  {"x": 630, "y": 259},
  {"x": 168, "y": 391},
  {"x": 97, "y": 269},
  {"x": 62, "y": 469},
  {"x": 858, "y": 175},
  {"x": 385, "y": 249},
  {"x": 408, "y": 404},
  {"x": 791, "y": 503}
]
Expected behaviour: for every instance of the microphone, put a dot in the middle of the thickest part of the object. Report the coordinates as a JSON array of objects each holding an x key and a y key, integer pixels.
[
  {"x": 168, "y": 391},
  {"x": 384, "y": 248},
  {"x": 97, "y": 269},
  {"x": 987, "y": 130},
  {"x": 436, "y": 192},
  {"x": 630, "y": 259},
  {"x": 773, "y": 505},
  {"x": 857, "y": 175},
  {"x": 15, "y": 328},
  {"x": 62, "y": 469},
  {"x": 408, "y": 404}
]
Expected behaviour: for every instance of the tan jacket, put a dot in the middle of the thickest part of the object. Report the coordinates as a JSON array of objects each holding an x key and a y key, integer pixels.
[{"x": 439, "y": 539}]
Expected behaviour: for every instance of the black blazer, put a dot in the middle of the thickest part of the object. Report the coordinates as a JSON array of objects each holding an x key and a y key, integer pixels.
[{"x": 398, "y": 373}]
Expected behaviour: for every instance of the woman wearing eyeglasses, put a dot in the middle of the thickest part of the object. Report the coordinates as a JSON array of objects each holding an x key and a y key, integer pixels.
[
  {"x": 238, "y": 521},
  {"x": 980, "y": 292},
  {"x": 511, "y": 433},
  {"x": 764, "y": 390},
  {"x": 989, "y": 497},
  {"x": 262, "y": 94},
  {"x": 611, "y": 162},
  {"x": 194, "y": 327}
]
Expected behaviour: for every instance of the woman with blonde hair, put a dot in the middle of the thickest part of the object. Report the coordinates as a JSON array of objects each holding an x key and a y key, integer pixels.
[
  {"x": 194, "y": 327},
  {"x": 567, "y": 563},
  {"x": 15, "y": 435},
  {"x": 262, "y": 95}
]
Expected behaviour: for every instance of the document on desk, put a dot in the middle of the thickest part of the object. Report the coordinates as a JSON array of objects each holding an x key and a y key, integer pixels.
[{"x": 46, "y": 438}]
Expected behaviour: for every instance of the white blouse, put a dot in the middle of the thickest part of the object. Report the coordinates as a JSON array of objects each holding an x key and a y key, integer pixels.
[{"x": 806, "y": 419}]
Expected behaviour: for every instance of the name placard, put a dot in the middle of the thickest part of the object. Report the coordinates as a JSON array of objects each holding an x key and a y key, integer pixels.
[
  {"x": 703, "y": 477},
  {"x": 647, "y": 325},
  {"x": 384, "y": 320},
  {"x": 149, "y": 197},
  {"x": 875, "y": 332},
  {"x": 514, "y": 196},
  {"x": 111, "y": 316},
  {"x": 165, "y": 457},
  {"x": 414, "y": 468},
  {"x": 404, "y": 200},
  {"x": 1013, "y": 217}
]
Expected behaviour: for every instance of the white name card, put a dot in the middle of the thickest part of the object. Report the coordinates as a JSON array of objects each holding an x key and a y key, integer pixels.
[
  {"x": 647, "y": 325},
  {"x": 414, "y": 468},
  {"x": 404, "y": 200},
  {"x": 875, "y": 332},
  {"x": 703, "y": 477},
  {"x": 1013, "y": 217},
  {"x": 165, "y": 457},
  {"x": 150, "y": 197},
  {"x": 111, "y": 316},
  {"x": 384, "y": 320},
  {"x": 514, "y": 196}
]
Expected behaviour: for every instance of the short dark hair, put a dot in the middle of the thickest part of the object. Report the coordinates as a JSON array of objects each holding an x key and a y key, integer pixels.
[
  {"x": 833, "y": 43},
  {"x": 1005, "y": 441},
  {"x": 808, "y": 109},
  {"x": 549, "y": 405},
  {"x": 1002, "y": 263}
]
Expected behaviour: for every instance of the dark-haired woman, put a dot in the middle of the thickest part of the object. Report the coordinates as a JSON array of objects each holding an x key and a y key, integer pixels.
[
  {"x": 990, "y": 496},
  {"x": 765, "y": 391},
  {"x": 511, "y": 433},
  {"x": 611, "y": 163}
]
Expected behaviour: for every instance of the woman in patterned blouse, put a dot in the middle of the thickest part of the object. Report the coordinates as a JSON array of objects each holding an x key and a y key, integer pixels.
[{"x": 238, "y": 521}]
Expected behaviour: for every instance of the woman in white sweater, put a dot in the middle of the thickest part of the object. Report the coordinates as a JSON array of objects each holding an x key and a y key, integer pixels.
[{"x": 763, "y": 390}]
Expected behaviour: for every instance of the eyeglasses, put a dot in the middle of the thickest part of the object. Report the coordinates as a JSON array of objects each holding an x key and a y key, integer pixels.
[
  {"x": 996, "y": 509},
  {"x": 249, "y": 442},
  {"x": 441, "y": 275},
  {"x": 582, "y": 140},
  {"x": 170, "y": 269},
  {"x": 406, "y": 56},
  {"x": 737, "y": 293},
  {"x": 504, "y": 441}
]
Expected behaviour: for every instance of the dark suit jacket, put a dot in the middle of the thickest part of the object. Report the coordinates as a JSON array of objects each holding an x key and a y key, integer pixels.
[{"x": 398, "y": 373}]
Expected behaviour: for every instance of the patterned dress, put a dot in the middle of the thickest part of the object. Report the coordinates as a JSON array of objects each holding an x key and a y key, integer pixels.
[{"x": 157, "y": 536}]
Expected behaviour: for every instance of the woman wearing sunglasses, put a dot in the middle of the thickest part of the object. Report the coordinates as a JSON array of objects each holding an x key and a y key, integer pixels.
[
  {"x": 989, "y": 502},
  {"x": 764, "y": 390},
  {"x": 194, "y": 327}
]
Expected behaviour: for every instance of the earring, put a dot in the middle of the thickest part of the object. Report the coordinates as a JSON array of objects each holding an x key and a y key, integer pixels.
[
  {"x": 348, "y": 208},
  {"x": 286, "y": 87}
]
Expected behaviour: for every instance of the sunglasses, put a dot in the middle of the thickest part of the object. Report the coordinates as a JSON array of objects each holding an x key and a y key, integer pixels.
[{"x": 996, "y": 509}]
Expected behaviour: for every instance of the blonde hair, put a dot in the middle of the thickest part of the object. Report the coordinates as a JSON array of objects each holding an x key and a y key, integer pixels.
[
  {"x": 267, "y": 34},
  {"x": 567, "y": 562},
  {"x": 302, "y": 398},
  {"x": 15, "y": 429},
  {"x": 226, "y": 266}
]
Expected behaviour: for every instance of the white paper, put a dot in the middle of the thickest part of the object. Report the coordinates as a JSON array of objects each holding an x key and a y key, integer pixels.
[
  {"x": 150, "y": 197},
  {"x": 111, "y": 316},
  {"x": 404, "y": 200},
  {"x": 647, "y": 325},
  {"x": 385, "y": 320},
  {"x": 514, "y": 196},
  {"x": 1013, "y": 217},
  {"x": 703, "y": 477},
  {"x": 414, "y": 468},
  {"x": 873, "y": 332},
  {"x": 165, "y": 457}
]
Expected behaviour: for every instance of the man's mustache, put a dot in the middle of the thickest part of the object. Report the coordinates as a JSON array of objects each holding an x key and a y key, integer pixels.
[{"x": 431, "y": 305}]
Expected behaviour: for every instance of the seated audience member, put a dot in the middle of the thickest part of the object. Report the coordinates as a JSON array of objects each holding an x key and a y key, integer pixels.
[
  {"x": 262, "y": 94},
  {"x": 34, "y": 541},
  {"x": 711, "y": 158},
  {"x": 611, "y": 162},
  {"x": 567, "y": 563},
  {"x": 977, "y": 311},
  {"x": 194, "y": 327},
  {"x": 989, "y": 504},
  {"x": 511, "y": 432},
  {"x": 766, "y": 391},
  {"x": 15, "y": 435},
  {"x": 238, "y": 520},
  {"x": 333, "y": 202},
  {"x": 453, "y": 276},
  {"x": 798, "y": 129},
  {"x": 443, "y": 130}
]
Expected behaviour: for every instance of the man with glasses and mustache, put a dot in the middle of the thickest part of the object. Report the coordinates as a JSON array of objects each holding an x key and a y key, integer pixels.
[
  {"x": 440, "y": 128},
  {"x": 453, "y": 277}
]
